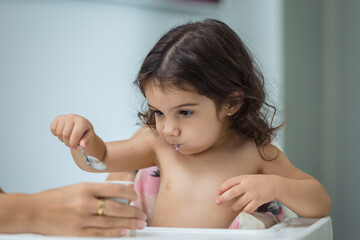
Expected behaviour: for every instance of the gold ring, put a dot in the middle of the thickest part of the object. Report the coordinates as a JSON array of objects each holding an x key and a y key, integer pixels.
[{"x": 101, "y": 207}]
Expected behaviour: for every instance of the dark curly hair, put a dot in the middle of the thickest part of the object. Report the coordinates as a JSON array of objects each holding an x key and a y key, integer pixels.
[{"x": 209, "y": 56}]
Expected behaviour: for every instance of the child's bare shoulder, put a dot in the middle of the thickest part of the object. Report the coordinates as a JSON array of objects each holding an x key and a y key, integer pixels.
[
  {"x": 148, "y": 136},
  {"x": 248, "y": 156},
  {"x": 274, "y": 161},
  {"x": 147, "y": 133},
  {"x": 269, "y": 152}
]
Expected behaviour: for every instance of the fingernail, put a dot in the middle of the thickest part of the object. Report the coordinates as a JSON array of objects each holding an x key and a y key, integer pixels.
[
  {"x": 140, "y": 224},
  {"x": 123, "y": 232},
  {"x": 82, "y": 143},
  {"x": 218, "y": 202}
]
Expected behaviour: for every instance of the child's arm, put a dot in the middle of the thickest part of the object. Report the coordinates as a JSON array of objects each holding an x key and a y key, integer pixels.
[
  {"x": 297, "y": 190},
  {"x": 280, "y": 181},
  {"x": 134, "y": 153}
]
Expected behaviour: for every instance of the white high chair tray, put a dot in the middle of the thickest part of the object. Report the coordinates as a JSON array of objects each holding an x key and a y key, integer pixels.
[{"x": 292, "y": 228}]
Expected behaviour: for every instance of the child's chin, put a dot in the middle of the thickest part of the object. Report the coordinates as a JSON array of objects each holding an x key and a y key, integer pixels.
[{"x": 186, "y": 151}]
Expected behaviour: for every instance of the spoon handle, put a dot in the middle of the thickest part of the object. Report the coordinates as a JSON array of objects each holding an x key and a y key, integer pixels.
[{"x": 93, "y": 161}]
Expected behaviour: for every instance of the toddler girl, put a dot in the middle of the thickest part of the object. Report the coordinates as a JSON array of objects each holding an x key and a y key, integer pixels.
[{"x": 208, "y": 129}]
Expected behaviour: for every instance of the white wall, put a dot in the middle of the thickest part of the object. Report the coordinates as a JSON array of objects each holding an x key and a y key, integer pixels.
[{"x": 59, "y": 57}]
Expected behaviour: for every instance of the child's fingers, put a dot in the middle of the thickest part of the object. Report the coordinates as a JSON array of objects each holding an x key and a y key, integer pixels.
[
  {"x": 240, "y": 204},
  {"x": 77, "y": 134},
  {"x": 82, "y": 143},
  {"x": 67, "y": 132},
  {"x": 231, "y": 193},
  {"x": 250, "y": 207},
  {"x": 85, "y": 138},
  {"x": 53, "y": 126},
  {"x": 231, "y": 182},
  {"x": 59, "y": 130}
]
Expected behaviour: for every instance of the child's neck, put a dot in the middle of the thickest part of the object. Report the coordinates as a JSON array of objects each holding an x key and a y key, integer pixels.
[
  {"x": 229, "y": 140},
  {"x": 226, "y": 144}
]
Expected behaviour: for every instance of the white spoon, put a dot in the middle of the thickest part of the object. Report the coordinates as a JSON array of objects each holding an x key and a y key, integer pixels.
[{"x": 93, "y": 161}]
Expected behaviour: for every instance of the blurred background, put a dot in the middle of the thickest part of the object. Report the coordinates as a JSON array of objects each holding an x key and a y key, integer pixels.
[{"x": 73, "y": 56}]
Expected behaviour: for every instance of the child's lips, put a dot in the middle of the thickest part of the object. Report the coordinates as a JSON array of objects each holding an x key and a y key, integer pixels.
[{"x": 176, "y": 146}]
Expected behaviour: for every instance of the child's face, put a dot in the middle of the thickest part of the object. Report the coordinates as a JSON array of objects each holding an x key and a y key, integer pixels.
[{"x": 186, "y": 120}]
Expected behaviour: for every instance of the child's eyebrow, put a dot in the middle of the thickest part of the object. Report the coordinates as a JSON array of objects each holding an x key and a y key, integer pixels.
[{"x": 178, "y": 106}]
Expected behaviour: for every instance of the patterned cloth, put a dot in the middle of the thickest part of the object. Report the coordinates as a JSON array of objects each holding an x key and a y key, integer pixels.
[{"x": 147, "y": 183}]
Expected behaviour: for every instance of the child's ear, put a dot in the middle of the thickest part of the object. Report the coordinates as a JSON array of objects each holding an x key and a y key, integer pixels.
[{"x": 235, "y": 101}]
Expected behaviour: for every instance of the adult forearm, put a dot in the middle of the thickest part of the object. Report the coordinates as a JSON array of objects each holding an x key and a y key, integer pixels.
[
  {"x": 15, "y": 214},
  {"x": 306, "y": 197}
]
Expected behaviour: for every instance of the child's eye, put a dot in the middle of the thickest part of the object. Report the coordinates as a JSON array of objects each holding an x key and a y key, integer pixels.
[
  {"x": 157, "y": 113},
  {"x": 186, "y": 113}
]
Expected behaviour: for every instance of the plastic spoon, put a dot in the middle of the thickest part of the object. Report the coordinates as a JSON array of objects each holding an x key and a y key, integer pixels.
[{"x": 93, "y": 161}]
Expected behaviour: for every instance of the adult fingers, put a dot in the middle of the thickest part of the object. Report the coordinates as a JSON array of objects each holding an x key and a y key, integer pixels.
[
  {"x": 113, "y": 190},
  {"x": 114, "y": 222},
  {"x": 116, "y": 209},
  {"x": 102, "y": 232}
]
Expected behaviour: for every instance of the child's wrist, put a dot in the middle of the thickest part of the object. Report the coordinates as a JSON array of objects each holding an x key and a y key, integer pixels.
[
  {"x": 276, "y": 186},
  {"x": 96, "y": 147}
]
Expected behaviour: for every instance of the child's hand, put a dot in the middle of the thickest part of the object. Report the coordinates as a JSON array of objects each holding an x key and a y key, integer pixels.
[
  {"x": 73, "y": 130},
  {"x": 252, "y": 191}
]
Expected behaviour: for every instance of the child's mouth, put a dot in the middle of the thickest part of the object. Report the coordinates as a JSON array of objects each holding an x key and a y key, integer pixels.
[{"x": 176, "y": 146}]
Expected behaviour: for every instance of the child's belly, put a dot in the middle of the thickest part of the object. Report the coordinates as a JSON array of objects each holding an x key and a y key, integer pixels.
[{"x": 179, "y": 206}]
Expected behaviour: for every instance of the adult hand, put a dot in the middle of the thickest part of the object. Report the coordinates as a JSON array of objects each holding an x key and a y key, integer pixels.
[
  {"x": 251, "y": 192},
  {"x": 73, "y": 211}
]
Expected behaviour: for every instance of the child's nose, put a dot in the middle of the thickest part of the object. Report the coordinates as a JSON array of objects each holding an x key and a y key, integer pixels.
[{"x": 171, "y": 129}]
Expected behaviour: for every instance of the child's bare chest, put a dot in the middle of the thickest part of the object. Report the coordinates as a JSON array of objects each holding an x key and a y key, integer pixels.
[{"x": 189, "y": 189}]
